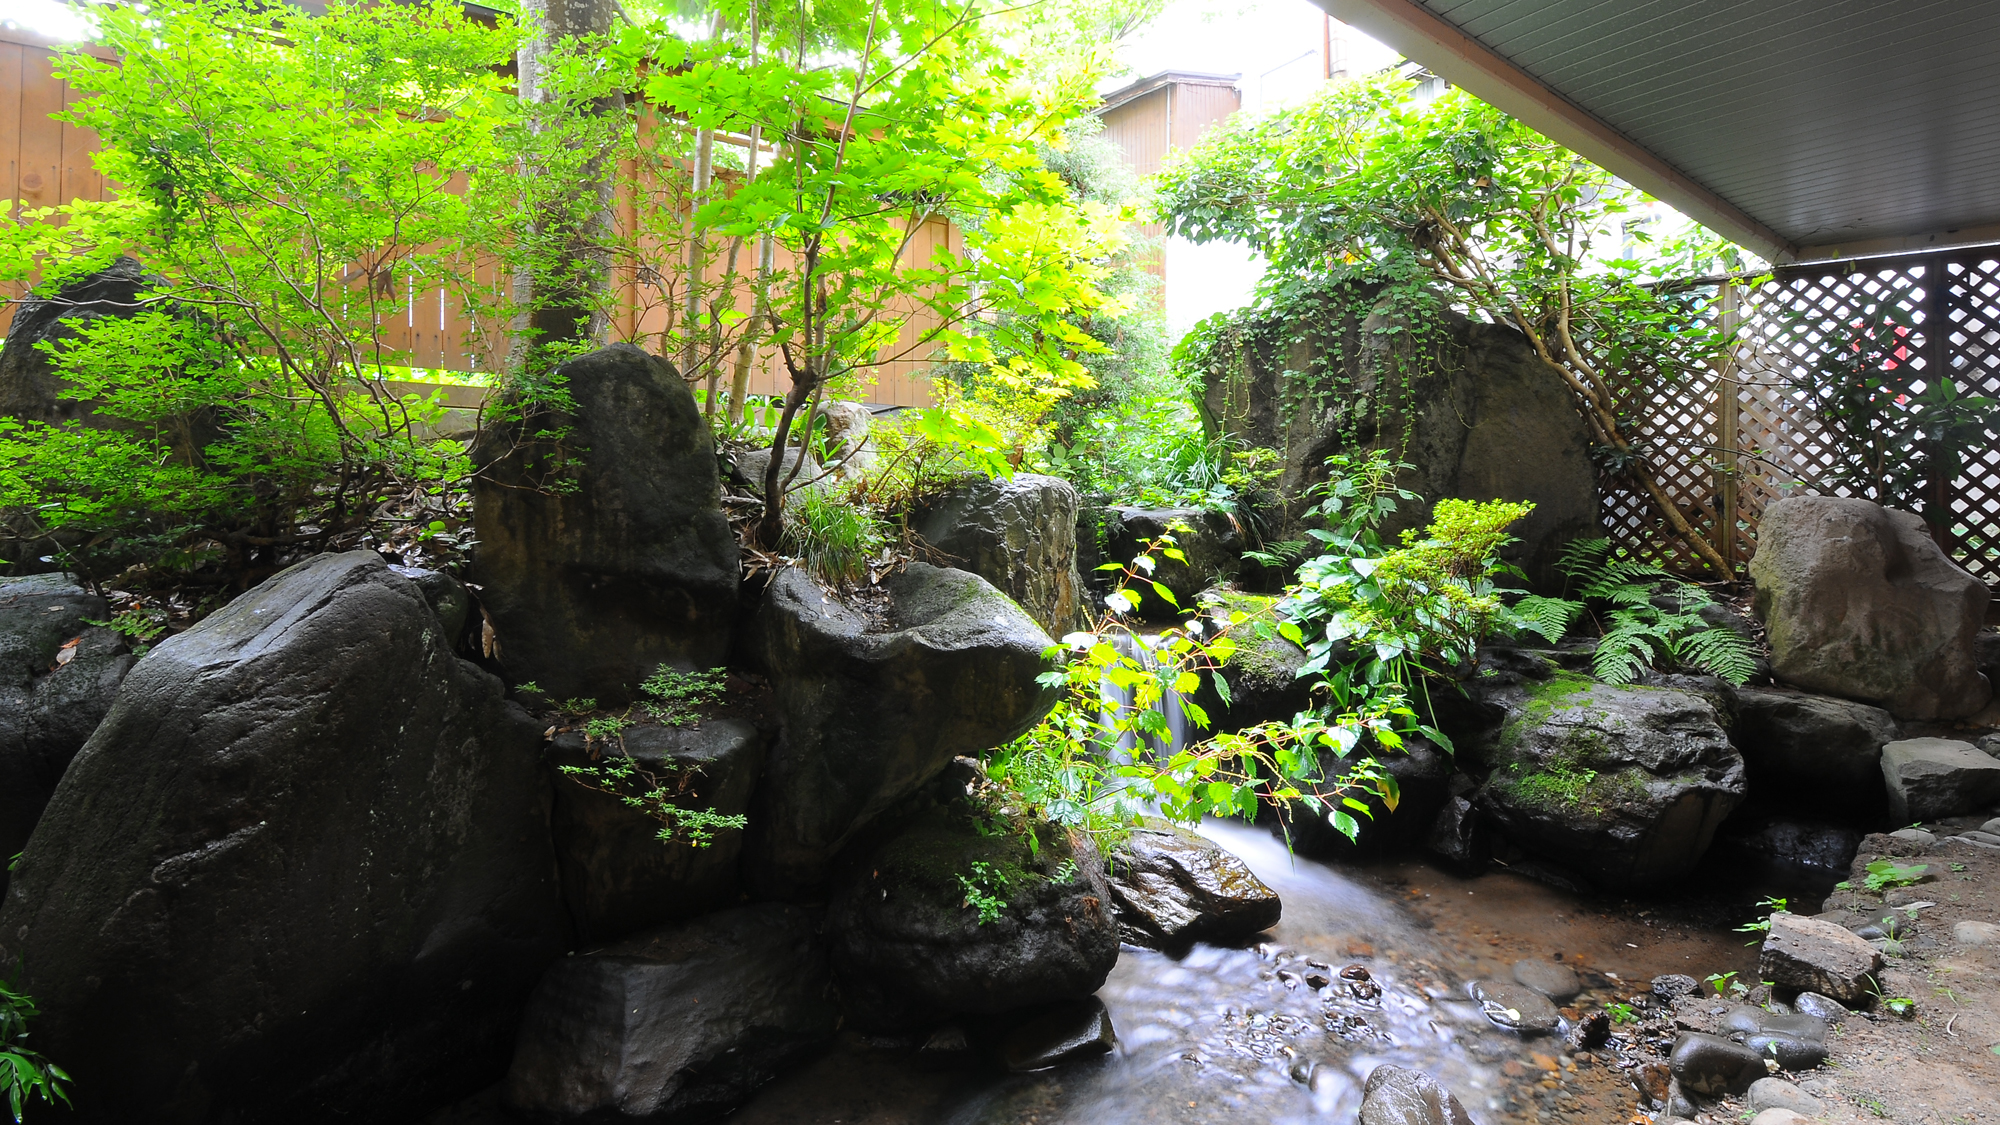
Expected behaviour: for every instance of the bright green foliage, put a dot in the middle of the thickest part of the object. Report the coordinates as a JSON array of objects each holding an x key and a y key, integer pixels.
[
  {"x": 679, "y": 698},
  {"x": 985, "y": 891},
  {"x": 26, "y": 1076},
  {"x": 640, "y": 788},
  {"x": 1556, "y": 785},
  {"x": 1638, "y": 634},
  {"x": 138, "y": 625},
  {"x": 1886, "y": 873},
  {"x": 1621, "y": 1013},
  {"x": 1367, "y": 188},
  {"x": 605, "y": 728},
  {"x": 833, "y": 536},
  {"x": 290, "y": 179}
]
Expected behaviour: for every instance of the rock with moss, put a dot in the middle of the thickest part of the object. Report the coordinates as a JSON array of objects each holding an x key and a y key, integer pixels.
[
  {"x": 1625, "y": 784},
  {"x": 874, "y": 704},
  {"x": 1208, "y": 540},
  {"x": 951, "y": 915},
  {"x": 1020, "y": 535},
  {"x": 1262, "y": 675}
]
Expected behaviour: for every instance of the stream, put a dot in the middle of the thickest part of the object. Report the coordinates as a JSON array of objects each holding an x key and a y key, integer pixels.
[{"x": 1224, "y": 1034}]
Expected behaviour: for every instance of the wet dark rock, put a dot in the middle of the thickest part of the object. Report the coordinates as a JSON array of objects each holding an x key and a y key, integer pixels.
[
  {"x": 1791, "y": 1050},
  {"x": 593, "y": 587},
  {"x": 301, "y": 872},
  {"x": 447, "y": 597},
  {"x": 1680, "y": 1107},
  {"x": 1817, "y": 956},
  {"x": 1672, "y": 986},
  {"x": 1813, "y": 751},
  {"x": 1820, "y": 1007},
  {"x": 1932, "y": 778},
  {"x": 1557, "y": 982},
  {"x": 1080, "y": 1029},
  {"x": 1208, "y": 539},
  {"x": 618, "y": 876},
  {"x": 676, "y": 1025},
  {"x": 1796, "y": 1041},
  {"x": 1593, "y": 1031},
  {"x": 1516, "y": 1007},
  {"x": 1859, "y": 601},
  {"x": 1020, "y": 535},
  {"x": 48, "y": 709},
  {"x": 1710, "y": 1066},
  {"x": 1814, "y": 847},
  {"x": 1460, "y": 837},
  {"x": 1626, "y": 784},
  {"x": 1394, "y": 1095},
  {"x": 946, "y": 1048},
  {"x": 909, "y": 944},
  {"x": 1172, "y": 886},
  {"x": 1422, "y": 772},
  {"x": 871, "y": 716},
  {"x": 1654, "y": 1081}
]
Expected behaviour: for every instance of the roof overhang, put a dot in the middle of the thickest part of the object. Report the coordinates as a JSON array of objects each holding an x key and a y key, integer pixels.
[{"x": 1801, "y": 129}]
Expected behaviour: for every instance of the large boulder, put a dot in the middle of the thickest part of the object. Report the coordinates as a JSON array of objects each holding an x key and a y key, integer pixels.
[
  {"x": 1020, "y": 535},
  {"x": 301, "y": 872},
  {"x": 30, "y": 387},
  {"x": 618, "y": 876},
  {"x": 1813, "y": 751},
  {"x": 1930, "y": 778},
  {"x": 1624, "y": 784},
  {"x": 873, "y": 709},
  {"x": 58, "y": 675},
  {"x": 1209, "y": 543},
  {"x": 942, "y": 918},
  {"x": 1859, "y": 601},
  {"x": 604, "y": 553},
  {"x": 1469, "y": 405},
  {"x": 1173, "y": 887},
  {"x": 679, "y": 1024},
  {"x": 1814, "y": 955}
]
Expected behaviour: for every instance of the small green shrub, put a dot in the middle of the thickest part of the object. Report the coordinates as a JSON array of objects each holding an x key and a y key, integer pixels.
[
  {"x": 832, "y": 535},
  {"x": 1886, "y": 873},
  {"x": 985, "y": 891},
  {"x": 679, "y": 698},
  {"x": 1638, "y": 634},
  {"x": 138, "y": 625},
  {"x": 638, "y": 787},
  {"x": 25, "y": 1075}
]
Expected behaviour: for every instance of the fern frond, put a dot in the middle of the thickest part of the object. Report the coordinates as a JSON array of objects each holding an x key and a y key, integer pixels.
[
  {"x": 1627, "y": 649},
  {"x": 1583, "y": 556},
  {"x": 1550, "y": 617},
  {"x": 1719, "y": 650}
]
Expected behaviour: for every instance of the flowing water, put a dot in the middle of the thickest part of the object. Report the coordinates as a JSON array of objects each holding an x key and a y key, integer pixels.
[{"x": 1222, "y": 1034}]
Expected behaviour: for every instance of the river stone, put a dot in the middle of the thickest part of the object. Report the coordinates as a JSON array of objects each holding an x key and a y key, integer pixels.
[
  {"x": 1817, "y": 956},
  {"x": 447, "y": 597},
  {"x": 1672, "y": 986},
  {"x": 911, "y": 949},
  {"x": 1625, "y": 784},
  {"x": 1858, "y": 600},
  {"x": 1970, "y": 932},
  {"x": 1819, "y": 1007},
  {"x": 870, "y": 716},
  {"x": 301, "y": 872},
  {"x": 1710, "y": 1066},
  {"x": 631, "y": 565},
  {"x": 1020, "y": 535},
  {"x": 1394, "y": 1095},
  {"x": 618, "y": 876},
  {"x": 1459, "y": 836},
  {"x": 1933, "y": 778},
  {"x": 1516, "y": 1007},
  {"x": 1796, "y": 1040},
  {"x": 676, "y": 1025},
  {"x": 48, "y": 709},
  {"x": 1480, "y": 417},
  {"x": 1776, "y": 1093},
  {"x": 1080, "y": 1029},
  {"x": 1172, "y": 886},
  {"x": 1208, "y": 539},
  {"x": 1813, "y": 751},
  {"x": 1557, "y": 982}
]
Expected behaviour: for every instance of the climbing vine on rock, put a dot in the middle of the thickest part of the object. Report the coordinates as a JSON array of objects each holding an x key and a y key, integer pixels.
[{"x": 1368, "y": 186}]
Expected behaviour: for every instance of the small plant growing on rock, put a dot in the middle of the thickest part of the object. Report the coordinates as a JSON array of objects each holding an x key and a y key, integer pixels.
[
  {"x": 679, "y": 698},
  {"x": 137, "y": 625},
  {"x": 985, "y": 891},
  {"x": 834, "y": 536},
  {"x": 25, "y": 1075},
  {"x": 1886, "y": 873},
  {"x": 1638, "y": 633},
  {"x": 640, "y": 788},
  {"x": 1763, "y": 925},
  {"x": 1621, "y": 1013}
]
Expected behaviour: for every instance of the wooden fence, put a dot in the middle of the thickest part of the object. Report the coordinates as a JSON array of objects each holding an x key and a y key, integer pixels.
[
  {"x": 1728, "y": 442},
  {"x": 49, "y": 163}
]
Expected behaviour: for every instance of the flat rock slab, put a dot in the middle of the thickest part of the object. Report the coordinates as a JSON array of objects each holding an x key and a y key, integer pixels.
[
  {"x": 1711, "y": 1066},
  {"x": 1776, "y": 1093},
  {"x": 1818, "y": 956},
  {"x": 1557, "y": 982},
  {"x": 1932, "y": 778},
  {"x": 1172, "y": 886},
  {"x": 1516, "y": 1007},
  {"x": 1073, "y": 1031},
  {"x": 1394, "y": 1095}
]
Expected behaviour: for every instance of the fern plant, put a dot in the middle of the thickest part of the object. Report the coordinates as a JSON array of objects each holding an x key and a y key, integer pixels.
[{"x": 1639, "y": 635}]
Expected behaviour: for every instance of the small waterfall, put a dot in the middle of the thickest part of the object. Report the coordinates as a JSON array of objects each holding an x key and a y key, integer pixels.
[{"x": 1118, "y": 701}]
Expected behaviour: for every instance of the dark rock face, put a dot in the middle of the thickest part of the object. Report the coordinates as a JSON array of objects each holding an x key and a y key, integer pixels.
[
  {"x": 1459, "y": 836},
  {"x": 1794, "y": 1041},
  {"x": 1209, "y": 540},
  {"x": 1423, "y": 776},
  {"x": 594, "y": 586},
  {"x": 871, "y": 716},
  {"x": 1485, "y": 417},
  {"x": 1396, "y": 1096},
  {"x": 1929, "y": 778},
  {"x": 1018, "y": 534},
  {"x": 1626, "y": 784},
  {"x": 1813, "y": 751},
  {"x": 618, "y": 876},
  {"x": 1817, "y": 956},
  {"x": 1711, "y": 1066},
  {"x": 1172, "y": 886},
  {"x": 48, "y": 709},
  {"x": 29, "y": 386},
  {"x": 1080, "y": 1029},
  {"x": 301, "y": 871},
  {"x": 677, "y": 1025},
  {"x": 1859, "y": 601},
  {"x": 447, "y": 597},
  {"x": 909, "y": 949},
  {"x": 1790, "y": 843}
]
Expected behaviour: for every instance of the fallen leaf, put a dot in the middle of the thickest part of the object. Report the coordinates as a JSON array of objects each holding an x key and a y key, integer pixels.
[
  {"x": 67, "y": 652},
  {"x": 489, "y": 637}
]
